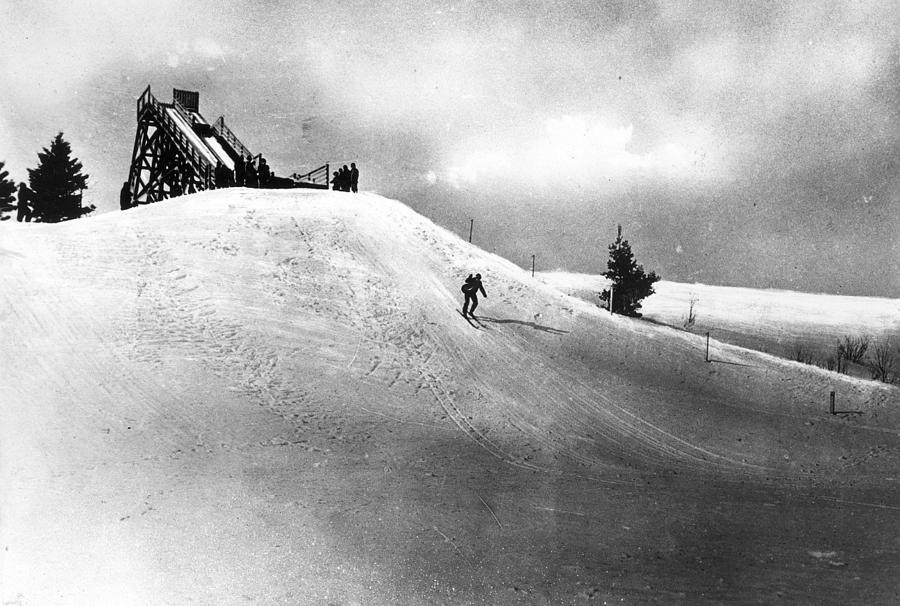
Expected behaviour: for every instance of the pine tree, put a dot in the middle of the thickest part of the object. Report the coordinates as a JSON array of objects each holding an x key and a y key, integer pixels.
[
  {"x": 7, "y": 194},
  {"x": 630, "y": 285},
  {"x": 57, "y": 183}
]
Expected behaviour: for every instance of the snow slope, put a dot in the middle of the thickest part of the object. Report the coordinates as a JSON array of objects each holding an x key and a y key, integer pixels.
[
  {"x": 270, "y": 397},
  {"x": 775, "y": 321}
]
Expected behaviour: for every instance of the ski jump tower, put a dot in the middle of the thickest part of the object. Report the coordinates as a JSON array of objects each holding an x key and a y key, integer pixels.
[{"x": 176, "y": 150}]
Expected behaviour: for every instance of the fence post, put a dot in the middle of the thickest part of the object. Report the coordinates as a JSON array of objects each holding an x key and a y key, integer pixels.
[
  {"x": 831, "y": 403},
  {"x": 611, "y": 299},
  {"x": 471, "y": 225},
  {"x": 707, "y": 347},
  {"x": 532, "y": 266}
]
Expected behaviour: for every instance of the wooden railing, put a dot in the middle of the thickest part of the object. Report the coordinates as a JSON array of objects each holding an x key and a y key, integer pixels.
[
  {"x": 318, "y": 176},
  {"x": 182, "y": 111},
  {"x": 223, "y": 131}
]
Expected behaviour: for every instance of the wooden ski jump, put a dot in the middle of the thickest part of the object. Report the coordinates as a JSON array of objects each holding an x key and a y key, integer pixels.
[{"x": 176, "y": 151}]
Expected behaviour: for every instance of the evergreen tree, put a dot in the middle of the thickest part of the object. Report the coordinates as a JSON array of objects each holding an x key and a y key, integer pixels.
[
  {"x": 7, "y": 194},
  {"x": 57, "y": 183},
  {"x": 630, "y": 285}
]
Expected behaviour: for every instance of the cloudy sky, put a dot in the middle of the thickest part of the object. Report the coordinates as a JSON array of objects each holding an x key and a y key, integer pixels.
[{"x": 743, "y": 143}]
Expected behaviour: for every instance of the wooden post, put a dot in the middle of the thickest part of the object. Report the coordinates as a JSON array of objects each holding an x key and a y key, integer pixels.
[
  {"x": 610, "y": 299},
  {"x": 707, "y": 347},
  {"x": 471, "y": 225},
  {"x": 532, "y": 266},
  {"x": 831, "y": 403}
]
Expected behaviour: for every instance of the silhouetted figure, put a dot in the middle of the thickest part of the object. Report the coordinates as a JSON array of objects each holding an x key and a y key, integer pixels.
[
  {"x": 354, "y": 177},
  {"x": 336, "y": 181},
  {"x": 264, "y": 172},
  {"x": 251, "y": 176},
  {"x": 240, "y": 171},
  {"x": 125, "y": 197},
  {"x": 23, "y": 208},
  {"x": 221, "y": 175},
  {"x": 176, "y": 189},
  {"x": 188, "y": 183},
  {"x": 345, "y": 182},
  {"x": 470, "y": 290}
]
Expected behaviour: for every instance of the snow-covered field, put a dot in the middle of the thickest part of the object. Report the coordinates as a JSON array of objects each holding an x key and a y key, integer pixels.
[
  {"x": 269, "y": 397},
  {"x": 775, "y": 321}
]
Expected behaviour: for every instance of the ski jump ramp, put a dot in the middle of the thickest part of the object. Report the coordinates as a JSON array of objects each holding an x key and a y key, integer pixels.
[{"x": 176, "y": 151}]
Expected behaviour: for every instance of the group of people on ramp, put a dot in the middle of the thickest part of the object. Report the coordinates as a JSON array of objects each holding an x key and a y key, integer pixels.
[
  {"x": 345, "y": 179},
  {"x": 246, "y": 173}
]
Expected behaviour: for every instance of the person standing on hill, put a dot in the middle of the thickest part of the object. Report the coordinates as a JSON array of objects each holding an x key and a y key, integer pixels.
[
  {"x": 354, "y": 177},
  {"x": 23, "y": 208},
  {"x": 240, "y": 171},
  {"x": 250, "y": 179},
  {"x": 220, "y": 175},
  {"x": 470, "y": 290},
  {"x": 336, "y": 181},
  {"x": 125, "y": 196},
  {"x": 175, "y": 187},
  {"x": 345, "y": 178},
  {"x": 264, "y": 172}
]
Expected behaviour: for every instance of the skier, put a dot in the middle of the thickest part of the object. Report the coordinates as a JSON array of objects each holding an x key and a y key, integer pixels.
[
  {"x": 470, "y": 290},
  {"x": 23, "y": 210}
]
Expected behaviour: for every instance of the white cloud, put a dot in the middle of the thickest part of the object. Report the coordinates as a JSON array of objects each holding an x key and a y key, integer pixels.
[
  {"x": 201, "y": 48},
  {"x": 582, "y": 149},
  {"x": 573, "y": 145},
  {"x": 206, "y": 47},
  {"x": 477, "y": 165}
]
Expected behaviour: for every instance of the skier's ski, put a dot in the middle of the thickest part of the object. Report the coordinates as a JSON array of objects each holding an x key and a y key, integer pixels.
[{"x": 469, "y": 320}]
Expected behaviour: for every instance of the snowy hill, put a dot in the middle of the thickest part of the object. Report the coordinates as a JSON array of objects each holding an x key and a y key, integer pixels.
[
  {"x": 270, "y": 397},
  {"x": 774, "y": 321}
]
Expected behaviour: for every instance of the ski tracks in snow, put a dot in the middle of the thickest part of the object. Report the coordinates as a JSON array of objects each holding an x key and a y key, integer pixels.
[{"x": 530, "y": 420}]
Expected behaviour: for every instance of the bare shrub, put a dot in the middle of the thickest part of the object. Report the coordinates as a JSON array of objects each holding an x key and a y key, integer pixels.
[
  {"x": 799, "y": 353},
  {"x": 882, "y": 362},
  {"x": 691, "y": 318},
  {"x": 854, "y": 348},
  {"x": 830, "y": 363}
]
